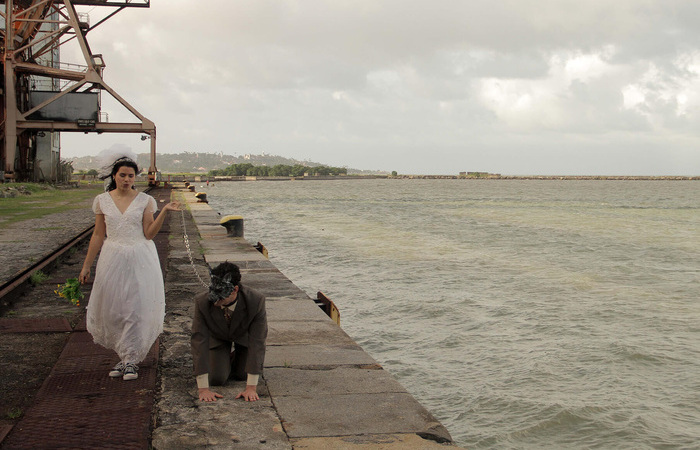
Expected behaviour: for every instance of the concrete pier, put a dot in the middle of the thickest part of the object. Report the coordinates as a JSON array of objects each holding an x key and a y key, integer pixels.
[{"x": 319, "y": 388}]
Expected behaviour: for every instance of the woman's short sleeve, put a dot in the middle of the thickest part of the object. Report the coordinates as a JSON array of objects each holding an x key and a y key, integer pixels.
[
  {"x": 96, "y": 205},
  {"x": 151, "y": 206}
]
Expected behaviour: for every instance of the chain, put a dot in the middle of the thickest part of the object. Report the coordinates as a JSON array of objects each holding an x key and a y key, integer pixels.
[{"x": 189, "y": 251}]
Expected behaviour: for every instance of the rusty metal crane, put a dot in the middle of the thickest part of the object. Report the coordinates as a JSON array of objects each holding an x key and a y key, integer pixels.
[{"x": 70, "y": 98}]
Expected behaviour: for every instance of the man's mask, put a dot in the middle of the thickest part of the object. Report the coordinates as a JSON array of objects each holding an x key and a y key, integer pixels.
[{"x": 220, "y": 287}]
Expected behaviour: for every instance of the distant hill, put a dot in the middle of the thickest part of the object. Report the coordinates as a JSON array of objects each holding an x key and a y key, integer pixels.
[{"x": 199, "y": 162}]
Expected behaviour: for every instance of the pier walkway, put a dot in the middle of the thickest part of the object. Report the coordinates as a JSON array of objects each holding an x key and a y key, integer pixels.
[{"x": 319, "y": 389}]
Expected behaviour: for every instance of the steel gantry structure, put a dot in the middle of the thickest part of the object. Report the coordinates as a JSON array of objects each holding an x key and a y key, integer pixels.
[{"x": 44, "y": 95}]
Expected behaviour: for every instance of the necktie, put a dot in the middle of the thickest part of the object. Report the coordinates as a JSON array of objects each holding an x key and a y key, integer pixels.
[{"x": 228, "y": 311}]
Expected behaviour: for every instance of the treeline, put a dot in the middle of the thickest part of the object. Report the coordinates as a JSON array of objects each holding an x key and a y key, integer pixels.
[{"x": 279, "y": 170}]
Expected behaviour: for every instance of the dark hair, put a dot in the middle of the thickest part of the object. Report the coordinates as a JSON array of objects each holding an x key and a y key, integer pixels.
[
  {"x": 121, "y": 162},
  {"x": 227, "y": 267}
]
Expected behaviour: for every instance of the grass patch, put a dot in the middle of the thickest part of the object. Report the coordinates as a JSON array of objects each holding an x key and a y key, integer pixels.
[
  {"x": 43, "y": 201},
  {"x": 38, "y": 277},
  {"x": 14, "y": 413}
]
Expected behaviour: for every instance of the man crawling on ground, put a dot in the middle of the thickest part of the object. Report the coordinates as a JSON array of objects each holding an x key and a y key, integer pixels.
[{"x": 228, "y": 315}]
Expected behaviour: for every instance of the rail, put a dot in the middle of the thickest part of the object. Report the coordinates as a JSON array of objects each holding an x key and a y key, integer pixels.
[
  {"x": 25, "y": 274},
  {"x": 21, "y": 277}
]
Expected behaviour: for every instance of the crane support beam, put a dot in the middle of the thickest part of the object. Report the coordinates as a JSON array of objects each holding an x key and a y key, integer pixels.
[
  {"x": 34, "y": 31},
  {"x": 87, "y": 126},
  {"x": 38, "y": 69},
  {"x": 114, "y": 3}
]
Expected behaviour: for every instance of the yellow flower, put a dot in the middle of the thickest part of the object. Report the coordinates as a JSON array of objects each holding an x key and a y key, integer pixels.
[{"x": 71, "y": 291}]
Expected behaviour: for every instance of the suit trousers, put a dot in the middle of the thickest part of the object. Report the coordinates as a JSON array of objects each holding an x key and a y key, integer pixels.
[{"x": 224, "y": 365}]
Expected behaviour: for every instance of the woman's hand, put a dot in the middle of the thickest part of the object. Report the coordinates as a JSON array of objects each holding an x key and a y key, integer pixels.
[
  {"x": 151, "y": 225},
  {"x": 172, "y": 206},
  {"x": 84, "y": 276}
]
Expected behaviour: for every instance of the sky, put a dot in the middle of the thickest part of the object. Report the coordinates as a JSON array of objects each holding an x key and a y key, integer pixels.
[{"x": 516, "y": 87}]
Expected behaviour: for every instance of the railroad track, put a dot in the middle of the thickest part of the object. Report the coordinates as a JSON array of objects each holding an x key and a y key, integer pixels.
[
  {"x": 53, "y": 377},
  {"x": 45, "y": 263},
  {"x": 22, "y": 277}
]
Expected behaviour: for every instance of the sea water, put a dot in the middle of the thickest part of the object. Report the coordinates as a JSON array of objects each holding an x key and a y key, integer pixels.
[{"x": 521, "y": 313}]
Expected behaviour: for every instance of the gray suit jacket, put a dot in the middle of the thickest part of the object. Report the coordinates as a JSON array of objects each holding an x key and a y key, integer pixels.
[{"x": 248, "y": 327}]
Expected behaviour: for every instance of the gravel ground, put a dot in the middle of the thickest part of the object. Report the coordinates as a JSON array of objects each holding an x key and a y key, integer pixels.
[{"x": 23, "y": 243}]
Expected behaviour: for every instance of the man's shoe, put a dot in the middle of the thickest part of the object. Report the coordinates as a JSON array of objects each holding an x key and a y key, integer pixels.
[
  {"x": 117, "y": 371},
  {"x": 131, "y": 371}
]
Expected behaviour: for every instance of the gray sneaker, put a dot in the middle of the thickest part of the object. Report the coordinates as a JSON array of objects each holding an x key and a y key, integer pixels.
[
  {"x": 117, "y": 371},
  {"x": 131, "y": 371}
]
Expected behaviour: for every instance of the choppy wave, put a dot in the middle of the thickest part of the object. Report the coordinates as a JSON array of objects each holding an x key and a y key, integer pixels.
[{"x": 522, "y": 314}]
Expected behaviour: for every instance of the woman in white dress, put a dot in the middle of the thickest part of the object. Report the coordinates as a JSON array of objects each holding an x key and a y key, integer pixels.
[{"x": 127, "y": 304}]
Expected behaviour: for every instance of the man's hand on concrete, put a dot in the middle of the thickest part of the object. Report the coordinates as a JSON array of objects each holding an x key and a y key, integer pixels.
[
  {"x": 250, "y": 394},
  {"x": 206, "y": 395}
]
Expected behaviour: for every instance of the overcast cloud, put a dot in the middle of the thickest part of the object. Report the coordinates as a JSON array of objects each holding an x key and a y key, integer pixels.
[{"x": 557, "y": 87}]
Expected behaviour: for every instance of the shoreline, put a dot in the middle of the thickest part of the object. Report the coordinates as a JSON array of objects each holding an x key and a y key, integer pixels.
[
  {"x": 555, "y": 177},
  {"x": 204, "y": 178}
]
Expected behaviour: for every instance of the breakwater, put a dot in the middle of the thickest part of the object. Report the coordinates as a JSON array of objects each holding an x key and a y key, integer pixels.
[{"x": 319, "y": 388}]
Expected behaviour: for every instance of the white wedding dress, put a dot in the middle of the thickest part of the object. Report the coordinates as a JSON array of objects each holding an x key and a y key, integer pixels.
[{"x": 127, "y": 303}]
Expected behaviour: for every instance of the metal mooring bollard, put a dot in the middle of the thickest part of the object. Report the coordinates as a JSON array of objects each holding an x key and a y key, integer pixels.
[
  {"x": 233, "y": 224},
  {"x": 201, "y": 197},
  {"x": 191, "y": 188}
]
